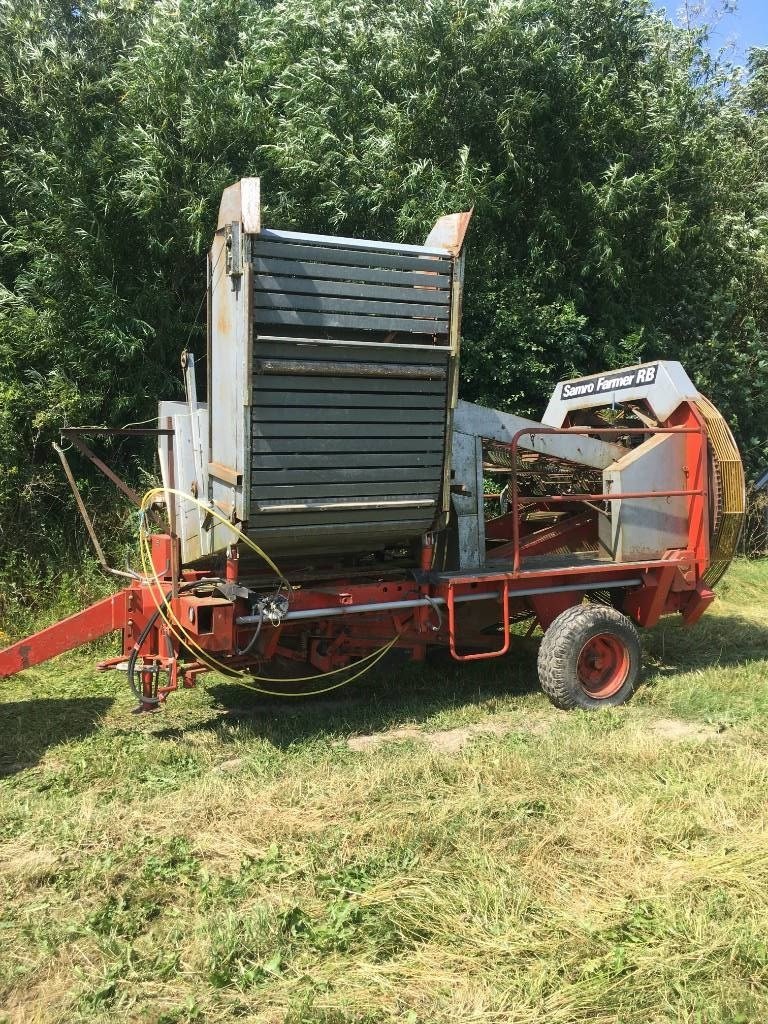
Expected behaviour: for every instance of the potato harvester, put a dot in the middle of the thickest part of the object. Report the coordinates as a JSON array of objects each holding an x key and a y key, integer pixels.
[{"x": 333, "y": 499}]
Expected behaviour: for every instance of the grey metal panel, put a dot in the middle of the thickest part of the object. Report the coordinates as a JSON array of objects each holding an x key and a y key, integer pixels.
[
  {"x": 430, "y": 433},
  {"x": 396, "y": 278},
  {"x": 325, "y": 368},
  {"x": 355, "y": 290},
  {"x": 343, "y": 460},
  {"x": 374, "y": 386},
  {"x": 313, "y": 445},
  {"x": 347, "y": 257},
  {"x": 502, "y": 426},
  {"x": 379, "y": 414},
  {"x": 366, "y": 244},
  {"x": 361, "y": 306},
  {"x": 338, "y": 321},
  {"x": 360, "y": 412}
]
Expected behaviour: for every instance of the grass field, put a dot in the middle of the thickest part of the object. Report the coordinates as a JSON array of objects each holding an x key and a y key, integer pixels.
[{"x": 472, "y": 856}]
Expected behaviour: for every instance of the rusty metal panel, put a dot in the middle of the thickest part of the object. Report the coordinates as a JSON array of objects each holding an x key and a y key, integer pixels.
[
  {"x": 305, "y": 367},
  {"x": 179, "y": 470},
  {"x": 228, "y": 398}
]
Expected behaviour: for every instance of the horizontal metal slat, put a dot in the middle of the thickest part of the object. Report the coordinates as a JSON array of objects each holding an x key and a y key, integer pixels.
[
  {"x": 337, "y": 506},
  {"x": 365, "y": 244},
  {"x": 285, "y": 492},
  {"x": 346, "y": 321},
  {"x": 359, "y": 307},
  {"x": 419, "y": 388},
  {"x": 430, "y": 433},
  {"x": 359, "y": 443},
  {"x": 326, "y": 368},
  {"x": 348, "y": 518},
  {"x": 297, "y": 267},
  {"x": 335, "y": 414},
  {"x": 347, "y": 257},
  {"x": 342, "y": 460},
  {"x": 362, "y": 475},
  {"x": 388, "y": 530},
  {"x": 287, "y": 348},
  {"x": 329, "y": 404},
  {"x": 424, "y": 293}
]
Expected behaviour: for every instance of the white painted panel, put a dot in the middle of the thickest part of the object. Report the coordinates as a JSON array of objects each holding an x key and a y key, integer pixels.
[{"x": 644, "y": 528}]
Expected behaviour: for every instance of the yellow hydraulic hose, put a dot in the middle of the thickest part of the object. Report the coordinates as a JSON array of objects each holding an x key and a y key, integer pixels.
[{"x": 179, "y": 631}]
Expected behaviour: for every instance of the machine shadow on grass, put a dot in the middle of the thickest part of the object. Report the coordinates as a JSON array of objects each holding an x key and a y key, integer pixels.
[
  {"x": 723, "y": 640},
  {"x": 398, "y": 691},
  {"x": 394, "y": 692},
  {"x": 28, "y": 728},
  {"x": 391, "y": 693}
]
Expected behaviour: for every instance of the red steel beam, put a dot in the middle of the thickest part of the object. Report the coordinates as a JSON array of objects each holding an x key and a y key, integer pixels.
[{"x": 101, "y": 618}]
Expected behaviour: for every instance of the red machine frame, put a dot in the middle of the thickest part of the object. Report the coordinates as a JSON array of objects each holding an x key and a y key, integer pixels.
[{"x": 334, "y": 623}]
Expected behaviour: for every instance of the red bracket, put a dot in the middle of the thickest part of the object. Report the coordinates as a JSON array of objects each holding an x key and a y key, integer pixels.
[{"x": 450, "y": 601}]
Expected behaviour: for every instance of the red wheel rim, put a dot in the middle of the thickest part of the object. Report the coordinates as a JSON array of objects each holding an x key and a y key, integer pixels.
[{"x": 603, "y": 666}]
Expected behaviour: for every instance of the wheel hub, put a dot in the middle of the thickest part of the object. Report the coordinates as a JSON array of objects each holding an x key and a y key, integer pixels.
[{"x": 603, "y": 666}]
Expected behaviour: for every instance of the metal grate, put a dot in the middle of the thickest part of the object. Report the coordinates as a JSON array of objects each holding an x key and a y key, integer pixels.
[{"x": 350, "y": 384}]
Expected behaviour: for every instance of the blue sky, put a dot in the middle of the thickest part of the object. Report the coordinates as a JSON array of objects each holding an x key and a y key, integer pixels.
[{"x": 747, "y": 27}]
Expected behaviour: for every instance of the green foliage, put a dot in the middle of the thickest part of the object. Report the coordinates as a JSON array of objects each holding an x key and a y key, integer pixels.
[{"x": 617, "y": 172}]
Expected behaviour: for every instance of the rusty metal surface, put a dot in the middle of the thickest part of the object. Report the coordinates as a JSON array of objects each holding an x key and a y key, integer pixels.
[{"x": 104, "y": 468}]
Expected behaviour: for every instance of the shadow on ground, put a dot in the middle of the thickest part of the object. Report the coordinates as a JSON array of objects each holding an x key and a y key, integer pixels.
[
  {"x": 29, "y": 728},
  {"x": 399, "y": 691},
  {"x": 390, "y": 694},
  {"x": 716, "y": 641},
  {"x": 394, "y": 693}
]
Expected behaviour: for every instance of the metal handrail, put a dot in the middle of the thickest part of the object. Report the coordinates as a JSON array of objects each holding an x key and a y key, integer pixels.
[{"x": 516, "y": 498}]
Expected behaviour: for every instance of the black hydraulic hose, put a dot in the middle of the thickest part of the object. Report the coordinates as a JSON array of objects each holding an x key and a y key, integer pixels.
[{"x": 240, "y": 652}]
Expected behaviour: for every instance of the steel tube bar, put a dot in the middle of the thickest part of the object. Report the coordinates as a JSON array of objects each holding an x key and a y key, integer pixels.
[
  {"x": 423, "y": 602},
  {"x": 363, "y": 244},
  {"x": 542, "y": 499}
]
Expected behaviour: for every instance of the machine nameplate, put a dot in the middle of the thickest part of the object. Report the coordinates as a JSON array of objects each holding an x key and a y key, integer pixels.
[{"x": 605, "y": 383}]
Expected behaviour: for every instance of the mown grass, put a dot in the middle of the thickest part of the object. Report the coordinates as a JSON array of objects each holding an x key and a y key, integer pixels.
[{"x": 230, "y": 859}]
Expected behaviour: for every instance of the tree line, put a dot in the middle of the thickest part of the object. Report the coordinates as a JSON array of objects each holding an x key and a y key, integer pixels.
[{"x": 618, "y": 172}]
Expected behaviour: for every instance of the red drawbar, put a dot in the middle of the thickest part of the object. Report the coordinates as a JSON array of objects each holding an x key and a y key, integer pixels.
[{"x": 90, "y": 624}]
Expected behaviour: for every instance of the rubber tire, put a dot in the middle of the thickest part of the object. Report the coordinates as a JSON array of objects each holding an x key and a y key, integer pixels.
[{"x": 562, "y": 644}]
